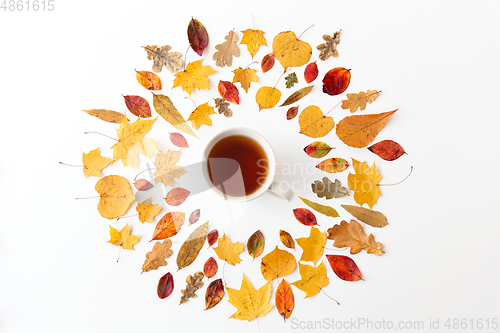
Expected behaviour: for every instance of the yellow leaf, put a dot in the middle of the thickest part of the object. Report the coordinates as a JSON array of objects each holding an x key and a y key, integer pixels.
[
  {"x": 250, "y": 303},
  {"x": 228, "y": 251},
  {"x": 226, "y": 51},
  {"x": 313, "y": 279},
  {"x": 106, "y": 115},
  {"x": 166, "y": 170},
  {"x": 165, "y": 108},
  {"x": 93, "y": 163},
  {"x": 364, "y": 183},
  {"x": 116, "y": 196},
  {"x": 147, "y": 211},
  {"x": 313, "y": 123},
  {"x": 123, "y": 237},
  {"x": 194, "y": 76},
  {"x": 245, "y": 77},
  {"x": 192, "y": 246},
  {"x": 353, "y": 236},
  {"x": 312, "y": 245},
  {"x": 277, "y": 263},
  {"x": 253, "y": 39},
  {"x": 290, "y": 51},
  {"x": 131, "y": 142},
  {"x": 355, "y": 101},
  {"x": 267, "y": 97},
  {"x": 157, "y": 256},
  {"x": 200, "y": 116}
]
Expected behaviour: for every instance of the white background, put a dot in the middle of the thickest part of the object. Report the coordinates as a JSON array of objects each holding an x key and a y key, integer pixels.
[{"x": 436, "y": 62}]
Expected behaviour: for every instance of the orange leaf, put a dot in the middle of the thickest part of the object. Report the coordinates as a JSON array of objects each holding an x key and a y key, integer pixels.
[
  {"x": 210, "y": 268},
  {"x": 138, "y": 106},
  {"x": 284, "y": 299},
  {"x": 267, "y": 62},
  {"x": 336, "y": 81},
  {"x": 344, "y": 267},
  {"x": 168, "y": 226},
  {"x": 311, "y": 72},
  {"x": 245, "y": 77},
  {"x": 353, "y": 236},
  {"x": 229, "y": 92},
  {"x": 176, "y": 196},
  {"x": 287, "y": 239},
  {"x": 148, "y": 80},
  {"x": 292, "y": 112},
  {"x": 212, "y": 237},
  {"x": 332, "y": 165}
]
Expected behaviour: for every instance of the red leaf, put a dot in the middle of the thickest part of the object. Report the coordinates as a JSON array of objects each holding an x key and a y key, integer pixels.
[
  {"x": 336, "y": 81},
  {"x": 214, "y": 294},
  {"x": 212, "y": 237},
  {"x": 292, "y": 112},
  {"x": 138, "y": 106},
  {"x": 317, "y": 149},
  {"x": 332, "y": 165},
  {"x": 311, "y": 72},
  {"x": 142, "y": 185},
  {"x": 210, "y": 268},
  {"x": 179, "y": 140},
  {"x": 344, "y": 267},
  {"x": 284, "y": 299},
  {"x": 229, "y": 92},
  {"x": 267, "y": 62},
  {"x": 197, "y": 36},
  {"x": 165, "y": 285},
  {"x": 305, "y": 216},
  {"x": 176, "y": 196},
  {"x": 388, "y": 150},
  {"x": 194, "y": 217}
]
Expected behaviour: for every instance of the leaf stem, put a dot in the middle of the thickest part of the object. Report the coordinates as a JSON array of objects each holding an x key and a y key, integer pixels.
[
  {"x": 255, "y": 62},
  {"x": 124, "y": 217},
  {"x": 71, "y": 165},
  {"x": 286, "y": 70},
  {"x": 329, "y": 296},
  {"x": 411, "y": 170},
  {"x": 98, "y": 196},
  {"x": 185, "y": 57},
  {"x": 101, "y": 134},
  {"x": 305, "y": 31},
  {"x": 332, "y": 108},
  {"x": 142, "y": 172},
  {"x": 192, "y": 100}
]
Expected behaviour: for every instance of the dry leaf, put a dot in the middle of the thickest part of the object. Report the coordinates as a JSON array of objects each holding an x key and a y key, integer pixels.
[
  {"x": 200, "y": 115},
  {"x": 212, "y": 237},
  {"x": 267, "y": 62},
  {"x": 388, "y": 150},
  {"x": 332, "y": 165},
  {"x": 226, "y": 51},
  {"x": 313, "y": 123},
  {"x": 194, "y": 217},
  {"x": 138, "y": 106},
  {"x": 245, "y": 77},
  {"x": 355, "y": 101},
  {"x": 228, "y": 251},
  {"x": 325, "y": 188},
  {"x": 166, "y": 170},
  {"x": 364, "y": 183},
  {"x": 287, "y": 239},
  {"x": 116, "y": 196},
  {"x": 148, "y": 80},
  {"x": 123, "y": 237},
  {"x": 336, "y": 81},
  {"x": 352, "y": 235},
  {"x": 168, "y": 226},
  {"x": 161, "y": 57},
  {"x": 312, "y": 279},
  {"x": 93, "y": 163},
  {"x": 106, "y": 115},
  {"x": 223, "y": 107},
  {"x": 284, "y": 299},
  {"x": 329, "y": 49},
  {"x": 143, "y": 185},
  {"x": 326, "y": 210},
  {"x": 296, "y": 96},
  {"x": 305, "y": 216},
  {"x": 157, "y": 257},
  {"x": 176, "y": 196},
  {"x": 370, "y": 217},
  {"x": 291, "y": 79},
  {"x": 312, "y": 246},
  {"x": 267, "y": 97},
  {"x": 317, "y": 149},
  {"x": 292, "y": 112},
  {"x": 193, "y": 283},
  {"x": 359, "y": 131},
  {"x": 311, "y": 72},
  {"x": 229, "y": 92},
  {"x": 194, "y": 76},
  {"x": 214, "y": 294},
  {"x": 165, "y": 108},
  {"x": 253, "y": 39},
  {"x": 147, "y": 211},
  {"x": 192, "y": 246},
  {"x": 179, "y": 140},
  {"x": 344, "y": 267},
  {"x": 210, "y": 267},
  {"x": 165, "y": 286},
  {"x": 290, "y": 51},
  {"x": 250, "y": 303},
  {"x": 255, "y": 244},
  {"x": 197, "y": 36},
  {"x": 277, "y": 263}
]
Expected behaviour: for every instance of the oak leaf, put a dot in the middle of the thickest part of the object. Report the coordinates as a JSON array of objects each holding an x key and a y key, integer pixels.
[
  {"x": 355, "y": 101},
  {"x": 253, "y": 39},
  {"x": 255, "y": 244},
  {"x": 214, "y": 294},
  {"x": 312, "y": 279},
  {"x": 277, "y": 263},
  {"x": 290, "y": 51},
  {"x": 138, "y": 106},
  {"x": 325, "y": 188},
  {"x": 296, "y": 96},
  {"x": 201, "y": 115},
  {"x": 313, "y": 123},
  {"x": 312, "y": 246},
  {"x": 387, "y": 149},
  {"x": 165, "y": 108},
  {"x": 245, "y": 77},
  {"x": 179, "y": 140},
  {"x": 116, "y": 196},
  {"x": 267, "y": 97},
  {"x": 123, "y": 237},
  {"x": 161, "y": 57},
  {"x": 148, "y": 80},
  {"x": 352, "y": 235},
  {"x": 194, "y": 76},
  {"x": 168, "y": 226},
  {"x": 326, "y": 210},
  {"x": 344, "y": 267},
  {"x": 250, "y": 303},
  {"x": 317, "y": 149},
  {"x": 106, "y": 115},
  {"x": 228, "y": 251},
  {"x": 192, "y": 246},
  {"x": 166, "y": 170},
  {"x": 165, "y": 286},
  {"x": 287, "y": 239},
  {"x": 197, "y": 36},
  {"x": 329, "y": 49},
  {"x": 368, "y": 216},
  {"x": 223, "y": 107},
  {"x": 193, "y": 283},
  {"x": 177, "y": 196},
  {"x": 291, "y": 79},
  {"x": 93, "y": 163},
  {"x": 364, "y": 183},
  {"x": 157, "y": 256},
  {"x": 147, "y": 211},
  {"x": 226, "y": 51},
  {"x": 284, "y": 299}
]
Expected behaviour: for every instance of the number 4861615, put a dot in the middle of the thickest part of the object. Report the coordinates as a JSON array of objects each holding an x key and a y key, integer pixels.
[{"x": 27, "y": 5}]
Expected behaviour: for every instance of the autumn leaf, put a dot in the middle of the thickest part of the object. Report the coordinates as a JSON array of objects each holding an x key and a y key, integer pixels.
[
  {"x": 355, "y": 101},
  {"x": 344, "y": 267},
  {"x": 267, "y": 97},
  {"x": 194, "y": 76},
  {"x": 332, "y": 165},
  {"x": 165, "y": 286},
  {"x": 292, "y": 112},
  {"x": 229, "y": 92},
  {"x": 267, "y": 62},
  {"x": 179, "y": 140},
  {"x": 250, "y": 303},
  {"x": 312, "y": 279},
  {"x": 284, "y": 299},
  {"x": 143, "y": 185},
  {"x": 387, "y": 149},
  {"x": 200, "y": 115},
  {"x": 325, "y": 188},
  {"x": 192, "y": 246},
  {"x": 311, "y": 72},
  {"x": 364, "y": 183},
  {"x": 368, "y": 216},
  {"x": 161, "y": 57},
  {"x": 287, "y": 239},
  {"x": 228, "y": 251},
  {"x": 148, "y": 80},
  {"x": 168, "y": 226},
  {"x": 313, "y": 123},
  {"x": 312, "y": 246},
  {"x": 223, "y": 107},
  {"x": 290, "y": 51},
  {"x": 165, "y": 108},
  {"x": 93, "y": 163},
  {"x": 210, "y": 267},
  {"x": 166, "y": 170},
  {"x": 352, "y": 235},
  {"x": 255, "y": 244},
  {"x": 116, "y": 196},
  {"x": 329, "y": 49},
  {"x": 296, "y": 96},
  {"x": 358, "y": 131},
  {"x": 138, "y": 106},
  {"x": 176, "y": 196},
  {"x": 147, "y": 211},
  {"x": 195, "y": 216},
  {"x": 197, "y": 36},
  {"x": 123, "y": 237},
  {"x": 291, "y": 79},
  {"x": 253, "y": 39},
  {"x": 336, "y": 81},
  {"x": 106, "y": 115},
  {"x": 305, "y": 216},
  {"x": 157, "y": 257},
  {"x": 317, "y": 149},
  {"x": 326, "y": 210},
  {"x": 214, "y": 294},
  {"x": 245, "y": 77},
  {"x": 193, "y": 283},
  {"x": 212, "y": 237},
  {"x": 226, "y": 51},
  {"x": 277, "y": 263}
]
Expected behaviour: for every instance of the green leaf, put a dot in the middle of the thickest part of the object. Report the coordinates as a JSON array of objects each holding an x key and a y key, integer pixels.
[
  {"x": 326, "y": 210},
  {"x": 291, "y": 79},
  {"x": 255, "y": 244},
  {"x": 317, "y": 149}
]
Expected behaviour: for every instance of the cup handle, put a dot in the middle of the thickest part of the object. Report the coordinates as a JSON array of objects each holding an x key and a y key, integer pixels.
[{"x": 282, "y": 190}]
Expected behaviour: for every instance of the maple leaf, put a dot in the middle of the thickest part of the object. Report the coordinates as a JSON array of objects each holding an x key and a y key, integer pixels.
[
  {"x": 161, "y": 57},
  {"x": 253, "y": 39},
  {"x": 166, "y": 170},
  {"x": 194, "y": 76},
  {"x": 106, "y": 115},
  {"x": 147, "y": 211},
  {"x": 226, "y": 51},
  {"x": 200, "y": 115},
  {"x": 277, "y": 263},
  {"x": 290, "y": 51},
  {"x": 157, "y": 256},
  {"x": 291, "y": 79},
  {"x": 223, "y": 107},
  {"x": 364, "y": 183},
  {"x": 116, "y": 196},
  {"x": 250, "y": 303},
  {"x": 131, "y": 141},
  {"x": 165, "y": 108},
  {"x": 330, "y": 47},
  {"x": 93, "y": 163},
  {"x": 245, "y": 77},
  {"x": 123, "y": 237},
  {"x": 193, "y": 283},
  {"x": 325, "y": 188},
  {"x": 313, "y": 123},
  {"x": 313, "y": 279},
  {"x": 228, "y": 251},
  {"x": 353, "y": 236},
  {"x": 312, "y": 245},
  {"x": 355, "y": 101}
]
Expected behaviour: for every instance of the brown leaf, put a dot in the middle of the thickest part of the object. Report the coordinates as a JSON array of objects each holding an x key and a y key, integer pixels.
[
  {"x": 226, "y": 51},
  {"x": 255, "y": 244},
  {"x": 138, "y": 106},
  {"x": 284, "y": 299},
  {"x": 214, "y": 294},
  {"x": 168, "y": 226},
  {"x": 178, "y": 140},
  {"x": 332, "y": 165},
  {"x": 212, "y": 237},
  {"x": 165, "y": 285},
  {"x": 368, "y": 216},
  {"x": 344, "y": 267},
  {"x": 161, "y": 57},
  {"x": 267, "y": 62},
  {"x": 157, "y": 256},
  {"x": 355, "y": 101},
  {"x": 210, "y": 267},
  {"x": 326, "y": 188},
  {"x": 352, "y": 235},
  {"x": 193, "y": 283},
  {"x": 176, "y": 196},
  {"x": 330, "y": 47},
  {"x": 165, "y": 108},
  {"x": 336, "y": 81},
  {"x": 223, "y": 107},
  {"x": 143, "y": 185},
  {"x": 106, "y": 115},
  {"x": 305, "y": 216},
  {"x": 229, "y": 92},
  {"x": 194, "y": 217},
  {"x": 311, "y": 72},
  {"x": 287, "y": 239},
  {"x": 296, "y": 96},
  {"x": 388, "y": 150},
  {"x": 148, "y": 80},
  {"x": 192, "y": 246},
  {"x": 292, "y": 112},
  {"x": 197, "y": 36}
]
